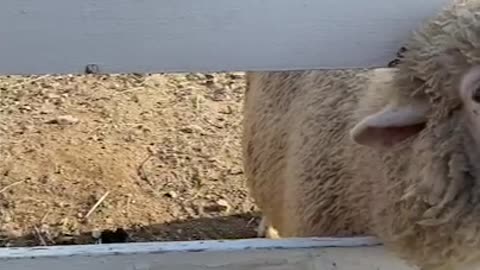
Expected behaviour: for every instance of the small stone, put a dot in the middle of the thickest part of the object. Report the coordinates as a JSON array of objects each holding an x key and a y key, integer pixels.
[
  {"x": 64, "y": 120},
  {"x": 219, "y": 95},
  {"x": 60, "y": 204},
  {"x": 53, "y": 96},
  {"x": 236, "y": 75},
  {"x": 194, "y": 76},
  {"x": 7, "y": 217},
  {"x": 187, "y": 130},
  {"x": 44, "y": 228},
  {"x": 171, "y": 194},
  {"x": 226, "y": 110},
  {"x": 219, "y": 206},
  {"x": 191, "y": 129},
  {"x": 26, "y": 108},
  {"x": 224, "y": 205},
  {"x": 235, "y": 171}
]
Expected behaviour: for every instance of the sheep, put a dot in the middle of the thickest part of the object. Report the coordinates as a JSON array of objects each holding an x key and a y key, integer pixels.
[
  {"x": 388, "y": 152},
  {"x": 274, "y": 102}
]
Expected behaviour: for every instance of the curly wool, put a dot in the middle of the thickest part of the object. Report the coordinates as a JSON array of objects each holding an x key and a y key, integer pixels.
[
  {"x": 442, "y": 196},
  {"x": 441, "y": 50}
]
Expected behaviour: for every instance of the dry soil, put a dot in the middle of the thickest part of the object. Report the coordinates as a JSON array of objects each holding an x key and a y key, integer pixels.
[{"x": 155, "y": 155}]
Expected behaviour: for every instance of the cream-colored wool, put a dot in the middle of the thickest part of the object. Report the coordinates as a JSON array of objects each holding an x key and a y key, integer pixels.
[{"x": 390, "y": 152}]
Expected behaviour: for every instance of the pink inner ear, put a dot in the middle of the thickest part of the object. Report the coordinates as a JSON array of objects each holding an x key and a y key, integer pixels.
[{"x": 389, "y": 136}]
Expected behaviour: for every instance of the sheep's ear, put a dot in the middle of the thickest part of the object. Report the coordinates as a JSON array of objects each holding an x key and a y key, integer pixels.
[{"x": 391, "y": 125}]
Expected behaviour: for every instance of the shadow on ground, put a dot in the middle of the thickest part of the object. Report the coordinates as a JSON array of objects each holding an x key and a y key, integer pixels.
[{"x": 227, "y": 227}]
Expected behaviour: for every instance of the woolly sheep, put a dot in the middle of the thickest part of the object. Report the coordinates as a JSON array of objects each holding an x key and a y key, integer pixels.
[{"x": 390, "y": 152}]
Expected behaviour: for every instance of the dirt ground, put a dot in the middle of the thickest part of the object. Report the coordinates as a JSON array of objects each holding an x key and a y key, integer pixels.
[{"x": 155, "y": 155}]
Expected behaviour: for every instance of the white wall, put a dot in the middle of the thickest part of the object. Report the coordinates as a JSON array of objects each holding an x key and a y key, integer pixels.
[{"x": 62, "y": 36}]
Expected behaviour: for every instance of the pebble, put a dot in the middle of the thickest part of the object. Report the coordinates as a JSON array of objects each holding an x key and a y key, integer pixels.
[
  {"x": 219, "y": 206},
  {"x": 219, "y": 95},
  {"x": 64, "y": 120},
  {"x": 224, "y": 205},
  {"x": 171, "y": 194}
]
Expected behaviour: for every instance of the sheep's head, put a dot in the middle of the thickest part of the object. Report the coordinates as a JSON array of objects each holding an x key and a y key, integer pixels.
[
  {"x": 433, "y": 116},
  {"x": 435, "y": 68},
  {"x": 437, "y": 182},
  {"x": 405, "y": 116}
]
